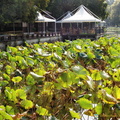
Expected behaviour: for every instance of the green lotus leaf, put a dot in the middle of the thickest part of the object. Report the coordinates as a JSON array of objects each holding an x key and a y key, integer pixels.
[
  {"x": 57, "y": 56},
  {"x": 17, "y": 79},
  {"x": 6, "y": 77},
  {"x": 99, "y": 57},
  {"x": 84, "y": 55},
  {"x": 3, "y": 83},
  {"x": 99, "y": 108},
  {"x": 2, "y": 107},
  {"x": 42, "y": 53},
  {"x": 36, "y": 76},
  {"x": 116, "y": 75},
  {"x": 104, "y": 75},
  {"x": 74, "y": 114},
  {"x": 116, "y": 92},
  {"x": 96, "y": 75},
  {"x": 90, "y": 55},
  {"x": 21, "y": 94},
  {"x": 9, "y": 69},
  {"x": 11, "y": 94},
  {"x": 30, "y": 61},
  {"x": 85, "y": 103},
  {"x": 27, "y": 104},
  {"x": 79, "y": 70},
  {"x": 78, "y": 47},
  {"x": 10, "y": 110},
  {"x": 5, "y": 115},
  {"x": 12, "y": 49},
  {"x": 42, "y": 111},
  {"x": 30, "y": 80}
]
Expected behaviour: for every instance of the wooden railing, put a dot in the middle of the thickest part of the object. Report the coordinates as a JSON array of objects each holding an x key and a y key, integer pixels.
[
  {"x": 27, "y": 36},
  {"x": 78, "y": 31}
]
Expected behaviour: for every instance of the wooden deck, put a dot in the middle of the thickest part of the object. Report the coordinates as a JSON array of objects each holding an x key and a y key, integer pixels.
[
  {"x": 27, "y": 36},
  {"x": 73, "y": 34},
  {"x": 20, "y": 39}
]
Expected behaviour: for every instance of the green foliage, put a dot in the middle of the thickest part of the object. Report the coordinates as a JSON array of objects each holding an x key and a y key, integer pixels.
[
  {"x": 85, "y": 103},
  {"x": 62, "y": 80},
  {"x": 42, "y": 111},
  {"x": 27, "y": 104},
  {"x": 114, "y": 18},
  {"x": 74, "y": 114},
  {"x": 59, "y": 7},
  {"x": 20, "y": 10}
]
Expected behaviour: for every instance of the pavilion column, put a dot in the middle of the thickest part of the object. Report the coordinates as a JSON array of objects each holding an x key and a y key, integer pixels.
[
  {"x": 47, "y": 26},
  {"x": 43, "y": 27},
  {"x": 82, "y": 25},
  {"x": 70, "y": 30},
  {"x": 77, "y": 28},
  {"x": 61, "y": 25},
  {"x": 70, "y": 25},
  {"x": 55, "y": 27},
  {"x": 89, "y": 28},
  {"x": 38, "y": 27},
  {"x": 89, "y": 25},
  {"x": 77, "y": 25}
]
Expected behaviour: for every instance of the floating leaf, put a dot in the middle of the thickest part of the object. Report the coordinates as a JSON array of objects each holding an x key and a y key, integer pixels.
[
  {"x": 16, "y": 79},
  {"x": 74, "y": 114},
  {"x": 98, "y": 108},
  {"x": 116, "y": 75},
  {"x": 12, "y": 49},
  {"x": 2, "y": 107},
  {"x": 21, "y": 93},
  {"x": 22, "y": 61},
  {"x": 57, "y": 56},
  {"x": 96, "y": 76},
  {"x": 10, "y": 110},
  {"x": 85, "y": 103},
  {"x": 98, "y": 57},
  {"x": 11, "y": 94},
  {"x": 42, "y": 53},
  {"x": 104, "y": 75},
  {"x": 3, "y": 83},
  {"x": 27, "y": 104},
  {"x": 84, "y": 55},
  {"x": 42, "y": 111},
  {"x": 117, "y": 92},
  {"x": 5, "y": 116},
  {"x": 79, "y": 69},
  {"x": 9, "y": 69},
  {"x": 115, "y": 63},
  {"x": 30, "y": 61},
  {"x": 36, "y": 76},
  {"x": 30, "y": 80},
  {"x": 108, "y": 98},
  {"x": 91, "y": 83},
  {"x": 90, "y": 55}
]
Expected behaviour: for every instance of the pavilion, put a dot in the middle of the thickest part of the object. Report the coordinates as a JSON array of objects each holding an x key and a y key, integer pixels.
[
  {"x": 80, "y": 23},
  {"x": 42, "y": 23}
]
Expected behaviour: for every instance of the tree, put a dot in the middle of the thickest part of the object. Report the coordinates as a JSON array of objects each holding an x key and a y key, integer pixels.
[
  {"x": 59, "y": 7},
  {"x": 110, "y": 2},
  {"x": 24, "y": 10},
  {"x": 41, "y": 4},
  {"x": 7, "y": 9},
  {"x": 114, "y": 17}
]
